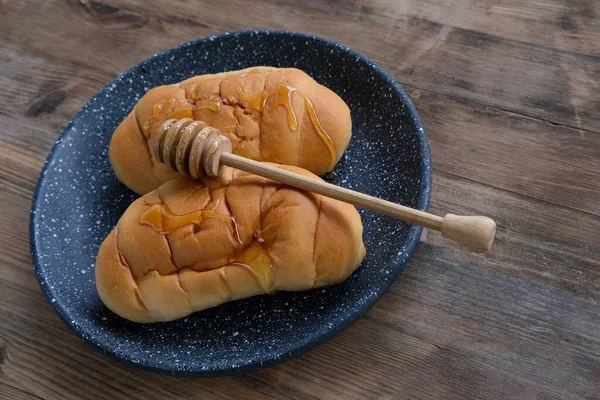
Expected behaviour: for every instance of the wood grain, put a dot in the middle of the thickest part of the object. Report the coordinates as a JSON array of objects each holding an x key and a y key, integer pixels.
[
  {"x": 510, "y": 96},
  {"x": 563, "y": 85}
]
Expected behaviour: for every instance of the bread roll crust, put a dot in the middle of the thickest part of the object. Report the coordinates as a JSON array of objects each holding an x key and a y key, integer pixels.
[
  {"x": 269, "y": 114},
  {"x": 156, "y": 266}
]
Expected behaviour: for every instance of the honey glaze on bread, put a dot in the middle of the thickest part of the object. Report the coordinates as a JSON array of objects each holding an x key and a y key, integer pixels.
[
  {"x": 160, "y": 217},
  {"x": 283, "y": 97},
  {"x": 191, "y": 245},
  {"x": 253, "y": 257},
  {"x": 269, "y": 114}
]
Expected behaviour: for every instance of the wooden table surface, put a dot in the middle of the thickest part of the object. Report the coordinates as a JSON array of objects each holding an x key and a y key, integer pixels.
[{"x": 509, "y": 92}]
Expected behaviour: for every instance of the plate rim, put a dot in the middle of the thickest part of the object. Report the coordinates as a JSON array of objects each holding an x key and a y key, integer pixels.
[{"x": 413, "y": 236}]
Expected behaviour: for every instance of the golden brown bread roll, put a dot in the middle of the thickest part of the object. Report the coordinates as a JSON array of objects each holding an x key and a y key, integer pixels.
[
  {"x": 190, "y": 245},
  {"x": 269, "y": 114}
]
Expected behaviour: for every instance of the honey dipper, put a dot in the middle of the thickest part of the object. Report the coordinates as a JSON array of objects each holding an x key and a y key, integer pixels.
[{"x": 191, "y": 147}]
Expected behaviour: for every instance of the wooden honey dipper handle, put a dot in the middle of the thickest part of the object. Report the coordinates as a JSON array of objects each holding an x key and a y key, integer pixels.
[
  {"x": 191, "y": 147},
  {"x": 475, "y": 232}
]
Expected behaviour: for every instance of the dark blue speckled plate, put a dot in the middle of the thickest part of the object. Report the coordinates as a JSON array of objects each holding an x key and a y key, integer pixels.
[{"x": 78, "y": 201}]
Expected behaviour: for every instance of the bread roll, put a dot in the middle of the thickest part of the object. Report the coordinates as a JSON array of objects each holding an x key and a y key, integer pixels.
[
  {"x": 269, "y": 114},
  {"x": 191, "y": 245}
]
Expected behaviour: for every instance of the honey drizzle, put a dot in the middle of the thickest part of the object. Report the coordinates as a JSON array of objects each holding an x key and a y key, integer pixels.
[
  {"x": 214, "y": 105},
  {"x": 172, "y": 109},
  {"x": 160, "y": 217},
  {"x": 283, "y": 92},
  {"x": 256, "y": 260}
]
